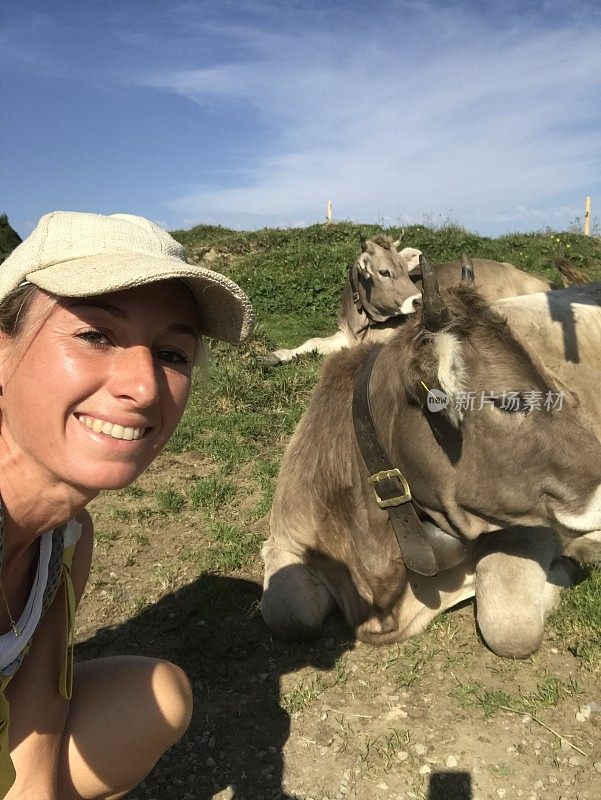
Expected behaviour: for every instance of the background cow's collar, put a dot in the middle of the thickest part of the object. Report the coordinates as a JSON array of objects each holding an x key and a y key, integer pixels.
[{"x": 355, "y": 292}]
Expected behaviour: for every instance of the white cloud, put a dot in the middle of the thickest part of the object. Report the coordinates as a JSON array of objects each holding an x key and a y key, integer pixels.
[
  {"x": 488, "y": 113},
  {"x": 438, "y": 112}
]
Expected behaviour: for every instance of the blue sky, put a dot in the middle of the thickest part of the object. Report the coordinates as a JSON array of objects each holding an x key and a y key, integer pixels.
[{"x": 249, "y": 114}]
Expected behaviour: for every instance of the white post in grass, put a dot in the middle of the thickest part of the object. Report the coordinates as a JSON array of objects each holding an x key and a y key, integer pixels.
[
  {"x": 587, "y": 216},
  {"x": 329, "y": 212}
]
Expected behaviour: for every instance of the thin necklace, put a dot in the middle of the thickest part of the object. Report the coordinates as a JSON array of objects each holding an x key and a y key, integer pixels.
[{"x": 13, "y": 624}]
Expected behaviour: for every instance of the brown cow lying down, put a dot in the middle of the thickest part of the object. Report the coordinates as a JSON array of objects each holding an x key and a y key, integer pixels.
[
  {"x": 512, "y": 481},
  {"x": 383, "y": 285}
]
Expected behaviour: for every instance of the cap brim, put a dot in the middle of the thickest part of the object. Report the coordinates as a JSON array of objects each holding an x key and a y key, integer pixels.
[{"x": 226, "y": 312}]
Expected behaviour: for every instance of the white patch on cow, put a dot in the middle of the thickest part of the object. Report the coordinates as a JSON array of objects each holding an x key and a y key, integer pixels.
[
  {"x": 408, "y": 305},
  {"x": 410, "y": 256},
  {"x": 586, "y": 522},
  {"x": 451, "y": 372},
  {"x": 324, "y": 346},
  {"x": 364, "y": 265}
]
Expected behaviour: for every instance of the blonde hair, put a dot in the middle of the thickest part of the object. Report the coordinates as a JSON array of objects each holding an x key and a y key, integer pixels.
[{"x": 13, "y": 309}]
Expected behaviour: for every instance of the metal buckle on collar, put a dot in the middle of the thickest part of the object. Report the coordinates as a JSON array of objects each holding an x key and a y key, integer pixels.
[{"x": 388, "y": 474}]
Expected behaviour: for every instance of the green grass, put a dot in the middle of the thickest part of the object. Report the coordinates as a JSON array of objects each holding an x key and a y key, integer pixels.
[
  {"x": 303, "y": 695},
  {"x": 211, "y": 493},
  {"x": 578, "y": 619},
  {"x": 230, "y": 547},
  {"x": 169, "y": 501},
  {"x": 380, "y": 752},
  {"x": 550, "y": 691}
]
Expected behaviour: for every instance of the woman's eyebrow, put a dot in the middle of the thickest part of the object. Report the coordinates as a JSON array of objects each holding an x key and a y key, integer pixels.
[
  {"x": 93, "y": 302},
  {"x": 121, "y": 313},
  {"x": 180, "y": 327}
]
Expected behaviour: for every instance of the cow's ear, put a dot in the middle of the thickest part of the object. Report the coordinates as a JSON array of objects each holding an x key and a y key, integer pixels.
[
  {"x": 452, "y": 377},
  {"x": 439, "y": 376},
  {"x": 410, "y": 256}
]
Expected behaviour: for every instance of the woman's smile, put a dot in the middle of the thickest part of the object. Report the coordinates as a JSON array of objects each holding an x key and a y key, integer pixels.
[{"x": 114, "y": 430}]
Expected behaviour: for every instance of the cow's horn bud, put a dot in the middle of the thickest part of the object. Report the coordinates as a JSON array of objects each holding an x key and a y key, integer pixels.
[
  {"x": 467, "y": 269},
  {"x": 435, "y": 312}
]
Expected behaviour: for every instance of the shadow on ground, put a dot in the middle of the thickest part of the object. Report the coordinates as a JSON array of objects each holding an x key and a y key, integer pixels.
[
  {"x": 213, "y": 629},
  {"x": 450, "y": 786}
]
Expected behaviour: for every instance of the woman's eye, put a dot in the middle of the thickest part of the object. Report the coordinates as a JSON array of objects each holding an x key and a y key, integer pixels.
[
  {"x": 173, "y": 357},
  {"x": 94, "y": 337}
]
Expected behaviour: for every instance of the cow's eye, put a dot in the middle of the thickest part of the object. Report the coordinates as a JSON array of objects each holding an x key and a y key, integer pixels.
[{"x": 385, "y": 273}]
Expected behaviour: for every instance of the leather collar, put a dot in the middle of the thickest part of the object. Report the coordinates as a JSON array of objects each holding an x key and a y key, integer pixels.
[{"x": 423, "y": 551}]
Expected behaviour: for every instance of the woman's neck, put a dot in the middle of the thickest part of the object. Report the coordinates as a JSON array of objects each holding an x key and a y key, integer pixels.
[{"x": 34, "y": 504}]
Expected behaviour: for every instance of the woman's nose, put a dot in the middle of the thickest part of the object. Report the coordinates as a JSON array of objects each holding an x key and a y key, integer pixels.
[{"x": 137, "y": 376}]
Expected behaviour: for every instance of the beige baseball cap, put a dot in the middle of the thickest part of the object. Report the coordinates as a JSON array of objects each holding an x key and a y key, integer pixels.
[{"x": 75, "y": 254}]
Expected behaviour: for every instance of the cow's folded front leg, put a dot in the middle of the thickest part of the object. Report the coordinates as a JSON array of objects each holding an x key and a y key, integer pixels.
[
  {"x": 519, "y": 573},
  {"x": 322, "y": 345},
  {"x": 295, "y": 602}
]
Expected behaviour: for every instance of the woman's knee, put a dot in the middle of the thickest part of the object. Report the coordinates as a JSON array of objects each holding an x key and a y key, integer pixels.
[
  {"x": 174, "y": 698},
  {"x": 125, "y": 712}
]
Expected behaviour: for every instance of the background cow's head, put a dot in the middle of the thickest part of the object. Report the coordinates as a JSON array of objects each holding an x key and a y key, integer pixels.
[{"x": 380, "y": 277}]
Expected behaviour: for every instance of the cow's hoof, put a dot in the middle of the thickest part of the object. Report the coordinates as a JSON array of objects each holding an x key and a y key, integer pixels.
[
  {"x": 586, "y": 549},
  {"x": 270, "y": 360}
]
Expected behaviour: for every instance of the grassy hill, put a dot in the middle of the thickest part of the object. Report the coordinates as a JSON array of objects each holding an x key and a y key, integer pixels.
[
  {"x": 9, "y": 238},
  {"x": 294, "y": 276}
]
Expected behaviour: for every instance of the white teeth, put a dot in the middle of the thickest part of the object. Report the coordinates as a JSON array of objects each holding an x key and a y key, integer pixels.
[{"x": 116, "y": 431}]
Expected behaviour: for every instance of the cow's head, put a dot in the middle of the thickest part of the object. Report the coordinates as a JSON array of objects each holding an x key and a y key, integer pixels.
[
  {"x": 380, "y": 277},
  {"x": 487, "y": 436}
]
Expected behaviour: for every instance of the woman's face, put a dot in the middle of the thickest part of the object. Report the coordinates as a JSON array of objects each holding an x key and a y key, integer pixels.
[{"x": 91, "y": 396}]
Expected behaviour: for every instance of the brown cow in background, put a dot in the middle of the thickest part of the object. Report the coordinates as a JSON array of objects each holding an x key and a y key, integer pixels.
[{"x": 383, "y": 286}]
